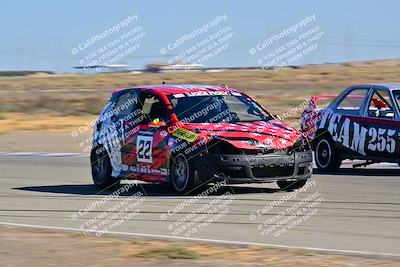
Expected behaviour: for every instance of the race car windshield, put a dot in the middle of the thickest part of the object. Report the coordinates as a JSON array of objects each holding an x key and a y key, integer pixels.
[{"x": 218, "y": 108}]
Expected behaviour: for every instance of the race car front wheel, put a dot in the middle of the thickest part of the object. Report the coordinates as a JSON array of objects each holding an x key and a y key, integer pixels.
[
  {"x": 326, "y": 156},
  {"x": 182, "y": 174},
  {"x": 101, "y": 169}
]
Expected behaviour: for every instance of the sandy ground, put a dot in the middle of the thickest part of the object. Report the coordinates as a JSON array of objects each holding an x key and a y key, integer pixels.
[
  {"x": 19, "y": 122},
  {"x": 24, "y": 247},
  {"x": 55, "y": 102}
]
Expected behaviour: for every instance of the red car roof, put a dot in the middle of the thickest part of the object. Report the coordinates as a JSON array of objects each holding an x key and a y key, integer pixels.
[{"x": 167, "y": 89}]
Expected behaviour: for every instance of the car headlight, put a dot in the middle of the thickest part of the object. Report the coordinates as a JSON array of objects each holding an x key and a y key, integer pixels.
[
  {"x": 301, "y": 145},
  {"x": 221, "y": 147},
  {"x": 260, "y": 145}
]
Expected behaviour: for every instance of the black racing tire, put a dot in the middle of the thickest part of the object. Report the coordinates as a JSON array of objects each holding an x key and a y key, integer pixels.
[
  {"x": 326, "y": 156},
  {"x": 291, "y": 185},
  {"x": 182, "y": 174},
  {"x": 101, "y": 169}
]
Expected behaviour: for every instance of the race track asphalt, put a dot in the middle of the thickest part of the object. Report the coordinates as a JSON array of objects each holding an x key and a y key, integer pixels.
[{"x": 359, "y": 208}]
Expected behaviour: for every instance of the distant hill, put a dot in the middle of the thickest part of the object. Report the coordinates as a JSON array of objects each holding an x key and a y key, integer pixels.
[{"x": 23, "y": 73}]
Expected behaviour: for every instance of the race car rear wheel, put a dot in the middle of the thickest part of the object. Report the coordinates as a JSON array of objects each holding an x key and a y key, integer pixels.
[
  {"x": 326, "y": 156},
  {"x": 101, "y": 169},
  {"x": 291, "y": 185},
  {"x": 182, "y": 174}
]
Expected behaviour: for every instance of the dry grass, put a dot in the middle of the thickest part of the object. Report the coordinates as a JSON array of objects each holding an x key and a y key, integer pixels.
[
  {"x": 13, "y": 122},
  {"x": 85, "y": 95},
  {"x": 46, "y": 248},
  {"x": 168, "y": 252}
]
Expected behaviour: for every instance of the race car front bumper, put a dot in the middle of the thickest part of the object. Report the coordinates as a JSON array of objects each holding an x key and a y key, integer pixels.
[{"x": 244, "y": 168}]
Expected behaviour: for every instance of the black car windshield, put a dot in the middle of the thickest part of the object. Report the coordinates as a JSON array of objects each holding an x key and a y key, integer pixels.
[{"x": 217, "y": 108}]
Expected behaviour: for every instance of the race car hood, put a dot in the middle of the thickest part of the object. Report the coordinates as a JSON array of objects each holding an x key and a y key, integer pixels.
[{"x": 249, "y": 135}]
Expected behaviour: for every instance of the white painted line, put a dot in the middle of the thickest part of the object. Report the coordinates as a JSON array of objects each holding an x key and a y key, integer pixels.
[{"x": 228, "y": 242}]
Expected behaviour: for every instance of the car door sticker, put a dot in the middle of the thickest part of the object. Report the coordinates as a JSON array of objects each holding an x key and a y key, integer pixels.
[
  {"x": 382, "y": 140},
  {"x": 358, "y": 138},
  {"x": 144, "y": 148},
  {"x": 185, "y": 135},
  {"x": 109, "y": 138}
]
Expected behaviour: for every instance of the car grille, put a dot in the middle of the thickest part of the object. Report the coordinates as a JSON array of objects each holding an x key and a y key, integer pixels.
[
  {"x": 238, "y": 172},
  {"x": 273, "y": 171},
  {"x": 267, "y": 152}
]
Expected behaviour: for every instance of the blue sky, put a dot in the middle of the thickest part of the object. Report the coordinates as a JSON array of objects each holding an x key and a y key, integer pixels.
[{"x": 40, "y": 34}]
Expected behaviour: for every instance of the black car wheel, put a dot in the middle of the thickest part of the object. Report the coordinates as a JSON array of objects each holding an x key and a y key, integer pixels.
[
  {"x": 291, "y": 185},
  {"x": 101, "y": 169},
  {"x": 182, "y": 174},
  {"x": 326, "y": 156}
]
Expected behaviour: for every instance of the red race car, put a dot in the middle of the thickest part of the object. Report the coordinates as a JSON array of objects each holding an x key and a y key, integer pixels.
[
  {"x": 188, "y": 135},
  {"x": 363, "y": 122}
]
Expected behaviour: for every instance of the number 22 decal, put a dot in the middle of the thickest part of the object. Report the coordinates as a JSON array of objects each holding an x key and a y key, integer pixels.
[{"x": 144, "y": 147}]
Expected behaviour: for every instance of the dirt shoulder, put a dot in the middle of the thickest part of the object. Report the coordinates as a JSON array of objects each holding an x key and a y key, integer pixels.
[
  {"x": 65, "y": 102},
  {"x": 22, "y": 247},
  {"x": 42, "y": 113},
  {"x": 20, "y": 122}
]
